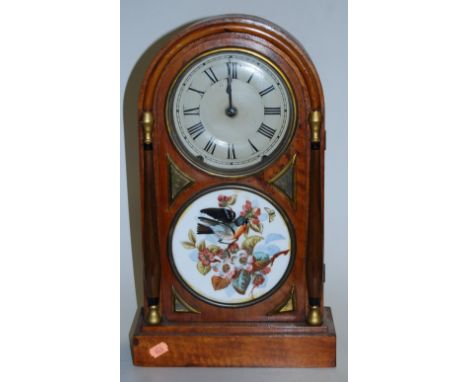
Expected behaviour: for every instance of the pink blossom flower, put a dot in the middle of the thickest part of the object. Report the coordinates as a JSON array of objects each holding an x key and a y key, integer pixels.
[
  {"x": 258, "y": 279},
  {"x": 242, "y": 260},
  {"x": 227, "y": 270},
  {"x": 252, "y": 214},
  {"x": 233, "y": 248},
  {"x": 205, "y": 256}
]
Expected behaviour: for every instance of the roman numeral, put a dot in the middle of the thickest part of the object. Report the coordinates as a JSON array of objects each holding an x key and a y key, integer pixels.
[
  {"x": 197, "y": 91},
  {"x": 267, "y": 90},
  {"x": 272, "y": 111},
  {"x": 266, "y": 131},
  {"x": 232, "y": 69},
  {"x": 210, "y": 146},
  {"x": 209, "y": 72},
  {"x": 250, "y": 78},
  {"x": 192, "y": 111},
  {"x": 255, "y": 150},
  {"x": 231, "y": 154},
  {"x": 196, "y": 130}
]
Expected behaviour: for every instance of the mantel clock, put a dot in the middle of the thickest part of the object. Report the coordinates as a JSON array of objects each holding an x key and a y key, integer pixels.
[{"x": 232, "y": 147}]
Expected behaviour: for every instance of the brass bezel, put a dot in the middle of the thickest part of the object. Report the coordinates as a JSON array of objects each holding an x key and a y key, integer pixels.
[{"x": 225, "y": 173}]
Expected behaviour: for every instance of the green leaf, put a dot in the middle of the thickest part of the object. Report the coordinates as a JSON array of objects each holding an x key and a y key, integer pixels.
[
  {"x": 188, "y": 245},
  {"x": 242, "y": 282},
  {"x": 256, "y": 227},
  {"x": 261, "y": 256},
  {"x": 203, "y": 269},
  {"x": 220, "y": 282},
  {"x": 262, "y": 259},
  {"x": 201, "y": 245},
  {"x": 192, "y": 236},
  {"x": 213, "y": 248},
  {"x": 232, "y": 200},
  {"x": 250, "y": 243}
]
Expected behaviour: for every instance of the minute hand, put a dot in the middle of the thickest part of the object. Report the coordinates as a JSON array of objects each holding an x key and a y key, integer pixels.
[{"x": 231, "y": 111}]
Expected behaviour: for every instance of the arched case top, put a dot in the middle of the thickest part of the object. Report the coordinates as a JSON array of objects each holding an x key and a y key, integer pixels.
[
  {"x": 287, "y": 325},
  {"x": 235, "y": 30}
]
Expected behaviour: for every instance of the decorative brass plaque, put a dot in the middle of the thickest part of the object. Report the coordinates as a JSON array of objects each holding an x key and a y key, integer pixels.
[
  {"x": 288, "y": 305},
  {"x": 178, "y": 180},
  {"x": 285, "y": 180},
  {"x": 181, "y": 306}
]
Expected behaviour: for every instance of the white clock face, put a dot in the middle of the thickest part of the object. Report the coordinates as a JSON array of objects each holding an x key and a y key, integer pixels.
[{"x": 231, "y": 112}]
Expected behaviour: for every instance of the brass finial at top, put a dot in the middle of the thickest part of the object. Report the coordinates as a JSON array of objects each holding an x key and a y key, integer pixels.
[
  {"x": 315, "y": 122},
  {"x": 147, "y": 122}
]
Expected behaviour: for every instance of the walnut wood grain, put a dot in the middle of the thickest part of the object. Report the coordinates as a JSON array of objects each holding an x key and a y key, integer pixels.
[
  {"x": 246, "y": 345},
  {"x": 250, "y": 327},
  {"x": 315, "y": 260},
  {"x": 151, "y": 260}
]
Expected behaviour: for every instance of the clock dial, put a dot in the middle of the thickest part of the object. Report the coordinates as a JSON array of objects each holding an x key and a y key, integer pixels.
[
  {"x": 231, "y": 112},
  {"x": 231, "y": 246}
]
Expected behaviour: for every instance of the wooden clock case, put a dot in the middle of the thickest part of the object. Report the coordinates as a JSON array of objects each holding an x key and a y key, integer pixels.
[{"x": 291, "y": 328}]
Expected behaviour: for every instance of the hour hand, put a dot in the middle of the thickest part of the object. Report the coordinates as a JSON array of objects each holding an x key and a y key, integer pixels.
[
  {"x": 228, "y": 89},
  {"x": 231, "y": 111}
]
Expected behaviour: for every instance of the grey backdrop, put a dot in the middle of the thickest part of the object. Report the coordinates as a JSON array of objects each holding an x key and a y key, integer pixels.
[{"x": 321, "y": 26}]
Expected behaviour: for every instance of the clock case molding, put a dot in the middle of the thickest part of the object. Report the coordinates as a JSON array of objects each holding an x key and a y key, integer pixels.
[{"x": 292, "y": 328}]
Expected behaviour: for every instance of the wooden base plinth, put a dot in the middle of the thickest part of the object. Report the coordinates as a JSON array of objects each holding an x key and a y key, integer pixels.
[{"x": 255, "y": 344}]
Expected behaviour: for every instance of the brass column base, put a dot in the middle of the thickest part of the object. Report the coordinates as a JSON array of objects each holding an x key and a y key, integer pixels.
[
  {"x": 153, "y": 317},
  {"x": 314, "y": 317}
]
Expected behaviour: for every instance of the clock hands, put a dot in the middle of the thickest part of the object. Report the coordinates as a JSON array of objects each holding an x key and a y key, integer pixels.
[{"x": 231, "y": 110}]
